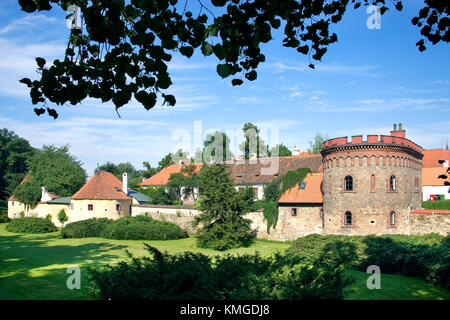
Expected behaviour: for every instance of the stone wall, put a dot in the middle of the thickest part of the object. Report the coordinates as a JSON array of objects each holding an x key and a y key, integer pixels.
[{"x": 426, "y": 221}]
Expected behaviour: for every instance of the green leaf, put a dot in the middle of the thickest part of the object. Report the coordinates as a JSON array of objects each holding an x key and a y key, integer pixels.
[
  {"x": 28, "y": 5},
  {"x": 40, "y": 62},
  {"x": 163, "y": 81},
  {"x": 170, "y": 99},
  {"x": 218, "y": 3},
  {"x": 224, "y": 70},
  {"x": 236, "y": 82},
  {"x": 39, "y": 111},
  {"x": 207, "y": 49},
  {"x": 52, "y": 112},
  {"x": 251, "y": 75},
  {"x": 187, "y": 51},
  {"x": 303, "y": 49},
  {"x": 26, "y": 81}
]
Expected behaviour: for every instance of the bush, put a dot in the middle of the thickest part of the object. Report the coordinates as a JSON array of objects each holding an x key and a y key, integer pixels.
[
  {"x": 423, "y": 256},
  {"x": 31, "y": 225},
  {"x": 85, "y": 228},
  {"x": 143, "y": 228},
  {"x": 437, "y": 205},
  {"x": 225, "y": 235},
  {"x": 191, "y": 275},
  {"x": 4, "y": 215}
]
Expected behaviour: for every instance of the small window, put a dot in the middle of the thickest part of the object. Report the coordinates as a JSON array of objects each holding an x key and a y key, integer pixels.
[
  {"x": 348, "y": 218},
  {"x": 416, "y": 184},
  {"x": 392, "y": 218},
  {"x": 72, "y": 206},
  {"x": 302, "y": 186},
  {"x": 392, "y": 183},
  {"x": 118, "y": 207},
  {"x": 348, "y": 183},
  {"x": 321, "y": 212},
  {"x": 294, "y": 212},
  {"x": 90, "y": 207},
  {"x": 372, "y": 183},
  {"x": 12, "y": 203}
]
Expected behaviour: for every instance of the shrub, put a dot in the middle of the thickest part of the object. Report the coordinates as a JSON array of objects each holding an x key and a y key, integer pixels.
[
  {"x": 143, "y": 228},
  {"x": 85, "y": 228},
  {"x": 191, "y": 275},
  {"x": 423, "y": 256},
  {"x": 31, "y": 225},
  {"x": 4, "y": 215}
]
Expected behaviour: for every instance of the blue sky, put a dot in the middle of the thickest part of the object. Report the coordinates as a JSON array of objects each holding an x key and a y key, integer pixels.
[{"x": 366, "y": 82}]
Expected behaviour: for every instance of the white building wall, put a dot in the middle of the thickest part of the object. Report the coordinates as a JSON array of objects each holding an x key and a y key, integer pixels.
[{"x": 429, "y": 190}]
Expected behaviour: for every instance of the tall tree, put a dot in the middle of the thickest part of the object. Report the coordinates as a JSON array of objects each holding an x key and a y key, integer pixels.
[
  {"x": 280, "y": 150},
  {"x": 134, "y": 175},
  {"x": 123, "y": 49},
  {"x": 54, "y": 168},
  {"x": 217, "y": 148},
  {"x": 253, "y": 144},
  {"x": 315, "y": 146},
  {"x": 14, "y": 154},
  {"x": 183, "y": 183},
  {"x": 222, "y": 207},
  {"x": 171, "y": 158},
  {"x": 148, "y": 171}
]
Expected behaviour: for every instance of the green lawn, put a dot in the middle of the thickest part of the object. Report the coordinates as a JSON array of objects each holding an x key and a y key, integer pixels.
[
  {"x": 437, "y": 205},
  {"x": 34, "y": 266}
]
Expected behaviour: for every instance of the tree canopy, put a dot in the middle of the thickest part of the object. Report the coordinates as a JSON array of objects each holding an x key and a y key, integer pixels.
[
  {"x": 315, "y": 146},
  {"x": 14, "y": 153},
  {"x": 280, "y": 150},
  {"x": 253, "y": 144},
  {"x": 134, "y": 175},
  {"x": 54, "y": 168},
  {"x": 222, "y": 209},
  {"x": 216, "y": 148},
  {"x": 123, "y": 48}
]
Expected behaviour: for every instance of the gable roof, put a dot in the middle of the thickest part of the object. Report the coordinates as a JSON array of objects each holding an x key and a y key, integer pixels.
[
  {"x": 430, "y": 176},
  {"x": 138, "y": 196},
  {"x": 101, "y": 186},
  {"x": 312, "y": 193},
  {"x": 162, "y": 177},
  {"x": 431, "y": 157},
  {"x": 249, "y": 173}
]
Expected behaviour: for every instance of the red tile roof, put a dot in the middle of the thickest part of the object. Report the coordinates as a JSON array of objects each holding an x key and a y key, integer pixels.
[
  {"x": 430, "y": 176},
  {"x": 162, "y": 177},
  {"x": 431, "y": 157},
  {"x": 311, "y": 194},
  {"x": 101, "y": 186}
]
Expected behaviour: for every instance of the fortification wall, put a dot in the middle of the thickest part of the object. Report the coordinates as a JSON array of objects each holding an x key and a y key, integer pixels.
[{"x": 427, "y": 221}]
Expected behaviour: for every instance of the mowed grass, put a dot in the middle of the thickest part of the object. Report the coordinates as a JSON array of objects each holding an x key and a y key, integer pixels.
[
  {"x": 437, "y": 205},
  {"x": 34, "y": 266}
]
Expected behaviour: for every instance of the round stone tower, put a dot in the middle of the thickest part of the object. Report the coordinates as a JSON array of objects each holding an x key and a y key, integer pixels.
[{"x": 369, "y": 186}]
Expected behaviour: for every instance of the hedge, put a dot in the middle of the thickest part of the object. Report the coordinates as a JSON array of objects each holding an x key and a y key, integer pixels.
[
  {"x": 31, "y": 225},
  {"x": 143, "y": 228},
  {"x": 423, "y": 256},
  {"x": 125, "y": 228},
  {"x": 85, "y": 228},
  {"x": 197, "y": 276}
]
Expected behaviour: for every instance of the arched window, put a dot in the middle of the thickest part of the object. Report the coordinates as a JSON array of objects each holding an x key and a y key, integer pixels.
[
  {"x": 392, "y": 183},
  {"x": 392, "y": 218},
  {"x": 348, "y": 218},
  {"x": 348, "y": 183}
]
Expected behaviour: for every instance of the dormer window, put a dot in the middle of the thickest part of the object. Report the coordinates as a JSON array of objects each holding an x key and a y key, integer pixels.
[{"x": 302, "y": 186}]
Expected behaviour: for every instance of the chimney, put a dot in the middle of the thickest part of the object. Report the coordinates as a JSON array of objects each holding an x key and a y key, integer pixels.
[
  {"x": 295, "y": 150},
  {"x": 398, "y": 133},
  {"x": 125, "y": 183}
]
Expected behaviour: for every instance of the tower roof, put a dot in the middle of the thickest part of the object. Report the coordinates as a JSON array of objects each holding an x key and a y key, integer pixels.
[{"x": 101, "y": 186}]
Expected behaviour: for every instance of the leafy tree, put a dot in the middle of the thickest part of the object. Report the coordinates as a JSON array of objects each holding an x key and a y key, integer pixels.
[
  {"x": 280, "y": 150},
  {"x": 14, "y": 153},
  {"x": 253, "y": 143},
  {"x": 56, "y": 169},
  {"x": 148, "y": 171},
  {"x": 123, "y": 49},
  {"x": 134, "y": 175},
  {"x": 169, "y": 159},
  {"x": 62, "y": 217},
  {"x": 183, "y": 183},
  {"x": 315, "y": 146},
  {"x": 160, "y": 196},
  {"x": 222, "y": 207},
  {"x": 217, "y": 148}
]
